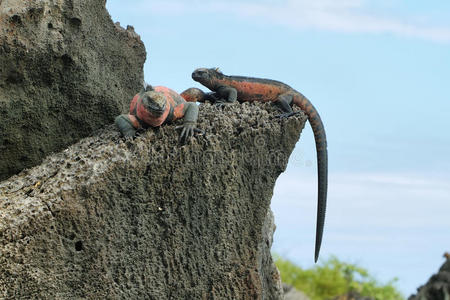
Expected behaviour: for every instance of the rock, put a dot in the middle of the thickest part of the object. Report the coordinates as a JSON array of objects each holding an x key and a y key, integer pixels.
[
  {"x": 290, "y": 293},
  {"x": 438, "y": 286},
  {"x": 65, "y": 70},
  {"x": 150, "y": 218}
]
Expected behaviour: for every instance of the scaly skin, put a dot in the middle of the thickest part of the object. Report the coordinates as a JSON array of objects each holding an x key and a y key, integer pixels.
[
  {"x": 197, "y": 95},
  {"x": 153, "y": 107},
  {"x": 248, "y": 89}
]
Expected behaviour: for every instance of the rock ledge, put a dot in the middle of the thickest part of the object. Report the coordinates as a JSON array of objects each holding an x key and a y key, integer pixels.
[{"x": 150, "y": 218}]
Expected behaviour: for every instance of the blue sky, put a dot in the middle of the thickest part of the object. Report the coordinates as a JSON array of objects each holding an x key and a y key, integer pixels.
[{"x": 377, "y": 71}]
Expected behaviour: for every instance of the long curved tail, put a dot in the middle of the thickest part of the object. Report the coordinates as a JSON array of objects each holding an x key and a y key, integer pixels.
[{"x": 322, "y": 164}]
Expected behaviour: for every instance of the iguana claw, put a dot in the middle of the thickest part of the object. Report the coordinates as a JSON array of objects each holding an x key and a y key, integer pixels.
[
  {"x": 220, "y": 104},
  {"x": 187, "y": 131},
  {"x": 202, "y": 132}
]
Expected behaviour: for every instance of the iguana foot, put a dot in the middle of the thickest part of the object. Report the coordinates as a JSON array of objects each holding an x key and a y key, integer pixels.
[
  {"x": 132, "y": 136},
  {"x": 202, "y": 132},
  {"x": 125, "y": 127},
  {"x": 188, "y": 131},
  {"x": 221, "y": 104}
]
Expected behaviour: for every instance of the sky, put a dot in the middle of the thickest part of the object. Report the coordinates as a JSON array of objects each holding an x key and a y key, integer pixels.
[{"x": 377, "y": 71}]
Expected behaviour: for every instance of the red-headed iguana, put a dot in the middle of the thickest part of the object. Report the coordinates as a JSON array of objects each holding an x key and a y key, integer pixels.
[
  {"x": 228, "y": 89},
  {"x": 153, "y": 107}
]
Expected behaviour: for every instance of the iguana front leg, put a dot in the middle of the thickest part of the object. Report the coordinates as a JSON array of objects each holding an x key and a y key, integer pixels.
[
  {"x": 227, "y": 94},
  {"x": 125, "y": 126},
  {"x": 188, "y": 128},
  {"x": 284, "y": 104}
]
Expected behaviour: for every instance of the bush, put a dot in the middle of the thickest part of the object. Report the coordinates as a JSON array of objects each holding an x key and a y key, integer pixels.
[{"x": 332, "y": 278}]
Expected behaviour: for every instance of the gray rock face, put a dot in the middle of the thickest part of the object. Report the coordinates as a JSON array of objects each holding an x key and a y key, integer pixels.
[
  {"x": 65, "y": 70},
  {"x": 150, "y": 218},
  {"x": 438, "y": 286}
]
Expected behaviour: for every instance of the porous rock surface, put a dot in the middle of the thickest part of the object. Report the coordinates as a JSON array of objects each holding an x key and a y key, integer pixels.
[
  {"x": 438, "y": 286},
  {"x": 150, "y": 218},
  {"x": 65, "y": 70}
]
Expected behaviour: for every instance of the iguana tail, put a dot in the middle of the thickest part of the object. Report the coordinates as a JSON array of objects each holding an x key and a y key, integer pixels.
[
  {"x": 193, "y": 95},
  {"x": 322, "y": 164}
]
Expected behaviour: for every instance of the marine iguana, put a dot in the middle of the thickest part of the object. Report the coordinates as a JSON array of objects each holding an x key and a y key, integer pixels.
[
  {"x": 228, "y": 89},
  {"x": 154, "y": 106}
]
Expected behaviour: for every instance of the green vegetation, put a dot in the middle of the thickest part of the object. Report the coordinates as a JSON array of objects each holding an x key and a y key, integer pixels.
[{"x": 332, "y": 278}]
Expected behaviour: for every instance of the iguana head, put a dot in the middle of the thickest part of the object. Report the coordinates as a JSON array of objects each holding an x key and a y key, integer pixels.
[
  {"x": 207, "y": 77},
  {"x": 154, "y": 102}
]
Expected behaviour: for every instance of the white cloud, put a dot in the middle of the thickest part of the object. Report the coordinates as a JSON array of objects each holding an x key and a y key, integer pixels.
[{"x": 348, "y": 16}]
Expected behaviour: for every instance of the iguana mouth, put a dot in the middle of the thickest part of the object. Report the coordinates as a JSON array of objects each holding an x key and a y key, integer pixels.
[
  {"x": 196, "y": 76},
  {"x": 200, "y": 74}
]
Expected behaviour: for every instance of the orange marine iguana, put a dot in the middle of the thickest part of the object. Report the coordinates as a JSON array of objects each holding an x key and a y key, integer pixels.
[
  {"x": 154, "y": 106},
  {"x": 227, "y": 89}
]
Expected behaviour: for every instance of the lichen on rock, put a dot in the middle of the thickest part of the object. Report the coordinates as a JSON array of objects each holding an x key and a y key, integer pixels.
[{"x": 150, "y": 218}]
